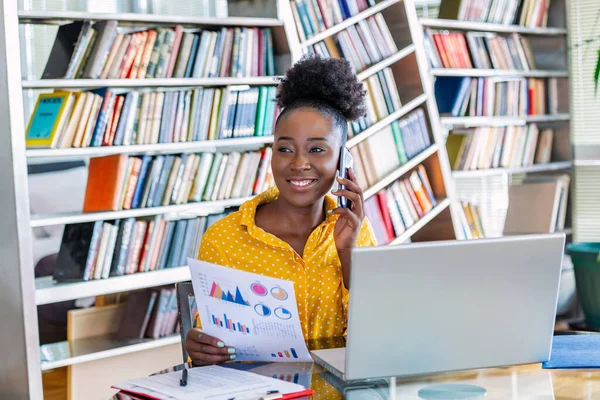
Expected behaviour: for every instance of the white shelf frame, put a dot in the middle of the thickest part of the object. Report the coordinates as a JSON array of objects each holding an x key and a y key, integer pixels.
[
  {"x": 171, "y": 212},
  {"x": 503, "y": 121},
  {"x": 553, "y": 166},
  {"x": 399, "y": 172},
  {"x": 139, "y": 19},
  {"x": 348, "y": 22},
  {"x": 479, "y": 72},
  {"x": 410, "y": 231},
  {"x": 204, "y": 146},
  {"x": 379, "y": 125},
  {"x": 381, "y": 65},
  {"x": 141, "y": 280},
  {"x": 119, "y": 349},
  {"x": 148, "y": 83},
  {"x": 489, "y": 27}
]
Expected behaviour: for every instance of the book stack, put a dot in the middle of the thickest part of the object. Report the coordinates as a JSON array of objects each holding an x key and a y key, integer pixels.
[
  {"x": 120, "y": 182},
  {"x": 100, "y": 249},
  {"x": 150, "y": 313},
  {"x": 362, "y": 44},
  {"x": 537, "y": 205},
  {"x": 382, "y": 99},
  {"x": 104, "y": 117},
  {"x": 480, "y": 50},
  {"x": 512, "y": 97},
  {"x": 83, "y": 49},
  {"x": 496, "y": 147},
  {"x": 391, "y": 147},
  {"x": 530, "y": 13},
  {"x": 314, "y": 16},
  {"x": 470, "y": 221},
  {"x": 400, "y": 206}
]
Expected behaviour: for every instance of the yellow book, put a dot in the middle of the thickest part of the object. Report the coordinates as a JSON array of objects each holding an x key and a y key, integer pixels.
[
  {"x": 74, "y": 121},
  {"x": 48, "y": 119},
  {"x": 214, "y": 116}
]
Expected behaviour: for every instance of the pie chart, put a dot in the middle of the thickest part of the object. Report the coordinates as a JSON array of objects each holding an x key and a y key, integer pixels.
[
  {"x": 262, "y": 310},
  {"x": 279, "y": 293},
  {"x": 282, "y": 313},
  {"x": 258, "y": 289}
]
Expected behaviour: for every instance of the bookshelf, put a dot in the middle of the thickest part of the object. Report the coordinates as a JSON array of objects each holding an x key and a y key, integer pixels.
[
  {"x": 548, "y": 61},
  {"x": 407, "y": 65}
]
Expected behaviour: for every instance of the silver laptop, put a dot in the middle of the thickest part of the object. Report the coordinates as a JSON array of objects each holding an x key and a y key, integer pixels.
[{"x": 435, "y": 307}]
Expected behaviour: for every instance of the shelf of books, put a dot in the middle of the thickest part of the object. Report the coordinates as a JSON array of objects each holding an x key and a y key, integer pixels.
[
  {"x": 501, "y": 87},
  {"x": 174, "y": 115}
]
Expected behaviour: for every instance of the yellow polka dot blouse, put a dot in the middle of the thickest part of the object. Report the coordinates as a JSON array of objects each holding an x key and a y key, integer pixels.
[{"x": 237, "y": 242}]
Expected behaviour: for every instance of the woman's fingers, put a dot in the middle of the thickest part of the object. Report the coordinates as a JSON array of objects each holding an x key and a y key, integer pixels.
[{"x": 205, "y": 349}]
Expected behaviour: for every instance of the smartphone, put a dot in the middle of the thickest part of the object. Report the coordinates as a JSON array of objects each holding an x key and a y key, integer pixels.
[{"x": 346, "y": 161}]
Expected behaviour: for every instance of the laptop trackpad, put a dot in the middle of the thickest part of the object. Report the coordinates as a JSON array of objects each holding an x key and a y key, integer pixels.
[{"x": 334, "y": 357}]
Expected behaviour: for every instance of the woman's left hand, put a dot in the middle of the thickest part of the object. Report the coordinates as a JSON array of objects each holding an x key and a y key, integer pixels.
[{"x": 348, "y": 225}]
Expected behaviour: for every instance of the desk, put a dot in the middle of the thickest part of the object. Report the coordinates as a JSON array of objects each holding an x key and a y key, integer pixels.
[{"x": 528, "y": 382}]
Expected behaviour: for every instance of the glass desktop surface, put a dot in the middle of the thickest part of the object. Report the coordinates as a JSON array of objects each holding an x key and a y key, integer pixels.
[{"x": 526, "y": 382}]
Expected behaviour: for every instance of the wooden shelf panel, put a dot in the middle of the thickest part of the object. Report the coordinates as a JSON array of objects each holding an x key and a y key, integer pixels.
[
  {"x": 441, "y": 206},
  {"x": 61, "y": 17},
  {"x": 77, "y": 290},
  {"x": 172, "y": 212},
  {"x": 554, "y": 166},
  {"x": 147, "y": 83},
  {"x": 205, "y": 146},
  {"x": 392, "y": 177},
  {"x": 488, "y": 27}
]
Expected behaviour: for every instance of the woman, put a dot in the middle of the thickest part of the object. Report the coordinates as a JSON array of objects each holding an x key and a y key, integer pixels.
[{"x": 295, "y": 231}]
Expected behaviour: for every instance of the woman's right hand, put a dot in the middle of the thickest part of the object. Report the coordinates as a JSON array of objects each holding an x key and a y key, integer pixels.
[{"x": 205, "y": 350}]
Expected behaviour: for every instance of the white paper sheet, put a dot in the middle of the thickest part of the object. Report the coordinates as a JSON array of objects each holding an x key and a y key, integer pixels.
[
  {"x": 257, "y": 315},
  {"x": 208, "y": 383}
]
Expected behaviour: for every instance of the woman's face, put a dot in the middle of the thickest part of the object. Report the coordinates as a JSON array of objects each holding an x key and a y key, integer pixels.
[{"x": 305, "y": 156}]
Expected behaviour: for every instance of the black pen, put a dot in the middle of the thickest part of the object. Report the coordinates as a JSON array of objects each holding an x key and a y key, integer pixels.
[{"x": 183, "y": 380}]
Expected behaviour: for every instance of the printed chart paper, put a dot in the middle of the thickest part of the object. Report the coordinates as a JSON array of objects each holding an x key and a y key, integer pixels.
[
  {"x": 208, "y": 383},
  {"x": 258, "y": 315}
]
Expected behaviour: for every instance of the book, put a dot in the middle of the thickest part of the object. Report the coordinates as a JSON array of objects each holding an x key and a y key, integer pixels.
[{"x": 105, "y": 180}]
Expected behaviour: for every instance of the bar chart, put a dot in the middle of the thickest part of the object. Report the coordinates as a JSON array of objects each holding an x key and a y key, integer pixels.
[
  {"x": 228, "y": 323},
  {"x": 291, "y": 353}
]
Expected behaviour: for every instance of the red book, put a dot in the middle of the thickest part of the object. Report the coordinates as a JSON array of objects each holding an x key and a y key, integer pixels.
[
  {"x": 413, "y": 198},
  {"x": 144, "y": 253},
  {"x": 139, "y": 55},
  {"x": 385, "y": 213},
  {"x": 134, "y": 47},
  {"x": 131, "y": 183},
  {"x": 116, "y": 117},
  {"x": 439, "y": 44},
  {"x": 109, "y": 122},
  {"x": 175, "y": 50}
]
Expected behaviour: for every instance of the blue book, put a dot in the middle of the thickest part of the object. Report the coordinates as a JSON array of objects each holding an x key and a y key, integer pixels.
[
  {"x": 165, "y": 114},
  {"x": 447, "y": 90},
  {"x": 141, "y": 182},
  {"x": 176, "y": 245},
  {"x": 123, "y": 120},
  {"x": 166, "y": 245},
  {"x": 156, "y": 199},
  {"x": 220, "y": 44},
  {"x": 192, "y": 60},
  {"x": 105, "y": 109}
]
